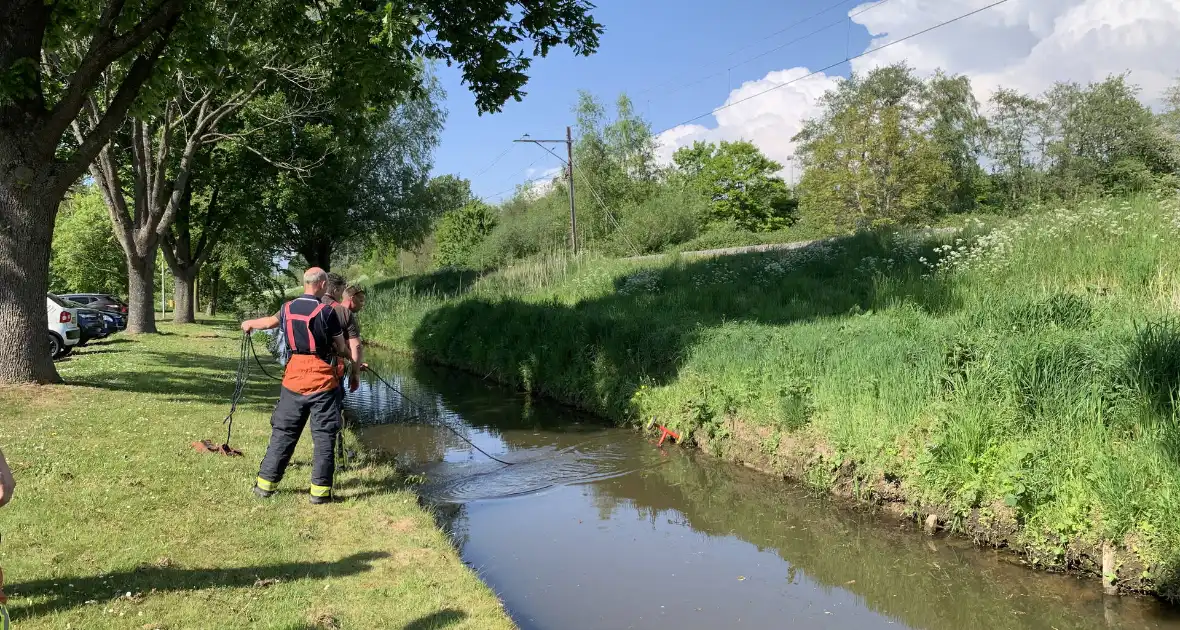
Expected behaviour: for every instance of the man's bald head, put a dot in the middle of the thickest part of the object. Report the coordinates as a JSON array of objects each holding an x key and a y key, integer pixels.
[{"x": 315, "y": 280}]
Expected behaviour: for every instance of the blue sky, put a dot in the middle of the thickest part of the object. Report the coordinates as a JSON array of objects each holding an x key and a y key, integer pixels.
[
  {"x": 648, "y": 44},
  {"x": 661, "y": 53}
]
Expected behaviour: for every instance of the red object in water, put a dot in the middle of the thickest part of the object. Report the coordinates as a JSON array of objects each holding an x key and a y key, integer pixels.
[{"x": 664, "y": 433}]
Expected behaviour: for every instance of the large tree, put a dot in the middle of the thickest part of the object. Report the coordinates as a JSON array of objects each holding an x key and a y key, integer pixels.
[
  {"x": 1015, "y": 146},
  {"x": 1101, "y": 137},
  {"x": 460, "y": 231},
  {"x": 741, "y": 184},
  {"x": 224, "y": 199},
  {"x": 1075, "y": 140},
  {"x": 86, "y": 256},
  {"x": 871, "y": 157},
  {"x": 57, "y": 58},
  {"x": 371, "y": 179},
  {"x": 959, "y": 132}
]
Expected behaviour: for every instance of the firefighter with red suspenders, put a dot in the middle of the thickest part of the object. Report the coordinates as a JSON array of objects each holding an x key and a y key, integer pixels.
[{"x": 316, "y": 342}]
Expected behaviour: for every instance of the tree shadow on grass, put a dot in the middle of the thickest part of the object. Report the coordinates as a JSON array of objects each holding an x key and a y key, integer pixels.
[
  {"x": 110, "y": 342},
  {"x": 58, "y": 594},
  {"x": 597, "y": 352},
  {"x": 186, "y": 376},
  {"x": 89, "y": 351},
  {"x": 220, "y": 324},
  {"x": 444, "y": 618}
]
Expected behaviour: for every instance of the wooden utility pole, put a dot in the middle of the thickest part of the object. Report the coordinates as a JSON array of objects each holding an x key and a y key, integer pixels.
[
  {"x": 569, "y": 169},
  {"x": 569, "y": 147}
]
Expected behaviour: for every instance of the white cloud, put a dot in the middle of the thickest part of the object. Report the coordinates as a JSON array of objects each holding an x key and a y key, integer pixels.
[
  {"x": 1022, "y": 44},
  {"x": 1030, "y": 44},
  {"x": 769, "y": 120},
  {"x": 540, "y": 181}
]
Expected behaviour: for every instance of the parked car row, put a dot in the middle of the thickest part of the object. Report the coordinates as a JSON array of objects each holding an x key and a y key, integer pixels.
[{"x": 79, "y": 318}]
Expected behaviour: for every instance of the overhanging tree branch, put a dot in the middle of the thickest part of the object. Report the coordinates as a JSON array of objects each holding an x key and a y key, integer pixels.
[
  {"x": 105, "y": 48},
  {"x": 67, "y": 173},
  {"x": 110, "y": 14}
]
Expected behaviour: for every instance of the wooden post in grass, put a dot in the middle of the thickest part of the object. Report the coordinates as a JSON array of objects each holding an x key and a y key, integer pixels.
[{"x": 1109, "y": 570}]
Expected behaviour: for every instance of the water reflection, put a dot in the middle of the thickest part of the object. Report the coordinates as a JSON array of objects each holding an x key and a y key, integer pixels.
[{"x": 592, "y": 527}]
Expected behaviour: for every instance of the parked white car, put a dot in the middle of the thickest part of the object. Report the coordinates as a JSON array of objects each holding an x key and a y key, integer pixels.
[{"x": 63, "y": 326}]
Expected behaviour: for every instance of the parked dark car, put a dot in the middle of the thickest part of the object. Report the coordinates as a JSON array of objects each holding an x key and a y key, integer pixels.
[
  {"x": 110, "y": 322},
  {"x": 101, "y": 301},
  {"x": 118, "y": 320},
  {"x": 94, "y": 324}
]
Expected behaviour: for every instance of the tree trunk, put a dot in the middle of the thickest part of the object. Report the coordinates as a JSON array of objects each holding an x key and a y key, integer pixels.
[
  {"x": 318, "y": 253},
  {"x": 141, "y": 293},
  {"x": 185, "y": 285},
  {"x": 214, "y": 283},
  {"x": 28, "y": 207}
]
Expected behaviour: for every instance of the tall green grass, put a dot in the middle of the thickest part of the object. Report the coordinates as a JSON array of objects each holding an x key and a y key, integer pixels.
[{"x": 1030, "y": 372}]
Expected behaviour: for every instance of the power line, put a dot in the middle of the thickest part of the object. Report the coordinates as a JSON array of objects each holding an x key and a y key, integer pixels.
[
  {"x": 524, "y": 183},
  {"x": 841, "y": 21},
  {"x": 838, "y": 63},
  {"x": 518, "y": 174},
  {"x": 770, "y": 36},
  {"x": 496, "y": 160},
  {"x": 610, "y": 215}
]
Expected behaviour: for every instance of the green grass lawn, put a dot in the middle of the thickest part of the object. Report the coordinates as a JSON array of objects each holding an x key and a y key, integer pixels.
[
  {"x": 118, "y": 523},
  {"x": 1021, "y": 382}
]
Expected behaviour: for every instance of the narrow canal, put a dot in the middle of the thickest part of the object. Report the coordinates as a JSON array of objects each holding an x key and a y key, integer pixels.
[{"x": 592, "y": 527}]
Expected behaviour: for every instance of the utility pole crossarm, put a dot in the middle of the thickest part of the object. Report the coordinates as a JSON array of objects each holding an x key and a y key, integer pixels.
[{"x": 540, "y": 141}]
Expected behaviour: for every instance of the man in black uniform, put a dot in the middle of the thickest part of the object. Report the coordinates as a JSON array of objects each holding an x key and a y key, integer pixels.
[
  {"x": 332, "y": 297},
  {"x": 310, "y": 380}
]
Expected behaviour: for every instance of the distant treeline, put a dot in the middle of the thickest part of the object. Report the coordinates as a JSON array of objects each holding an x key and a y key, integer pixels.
[{"x": 890, "y": 148}]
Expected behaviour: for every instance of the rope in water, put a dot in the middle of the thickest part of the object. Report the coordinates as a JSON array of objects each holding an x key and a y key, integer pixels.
[{"x": 440, "y": 422}]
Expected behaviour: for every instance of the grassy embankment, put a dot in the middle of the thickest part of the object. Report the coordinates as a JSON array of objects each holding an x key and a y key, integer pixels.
[
  {"x": 118, "y": 523},
  {"x": 1019, "y": 383}
]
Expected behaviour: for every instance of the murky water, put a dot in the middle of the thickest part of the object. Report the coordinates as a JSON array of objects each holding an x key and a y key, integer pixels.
[{"x": 592, "y": 527}]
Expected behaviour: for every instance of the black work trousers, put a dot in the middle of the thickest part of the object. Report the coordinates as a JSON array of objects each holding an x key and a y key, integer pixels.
[{"x": 287, "y": 422}]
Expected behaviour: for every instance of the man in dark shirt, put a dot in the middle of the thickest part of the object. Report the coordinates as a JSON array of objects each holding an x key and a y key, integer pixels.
[
  {"x": 353, "y": 302},
  {"x": 334, "y": 297},
  {"x": 310, "y": 381}
]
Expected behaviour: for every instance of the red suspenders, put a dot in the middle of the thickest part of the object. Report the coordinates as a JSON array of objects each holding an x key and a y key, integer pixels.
[{"x": 306, "y": 319}]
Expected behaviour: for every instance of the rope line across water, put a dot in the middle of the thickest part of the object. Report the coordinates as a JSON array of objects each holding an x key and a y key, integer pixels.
[
  {"x": 247, "y": 350},
  {"x": 440, "y": 421}
]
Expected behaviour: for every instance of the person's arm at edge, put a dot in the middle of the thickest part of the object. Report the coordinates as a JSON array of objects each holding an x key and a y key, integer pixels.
[
  {"x": 358, "y": 351},
  {"x": 354, "y": 374},
  {"x": 341, "y": 347},
  {"x": 7, "y": 483},
  {"x": 262, "y": 323}
]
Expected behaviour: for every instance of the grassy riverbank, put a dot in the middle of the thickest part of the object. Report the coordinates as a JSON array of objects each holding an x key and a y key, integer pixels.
[
  {"x": 118, "y": 523},
  {"x": 1019, "y": 383}
]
